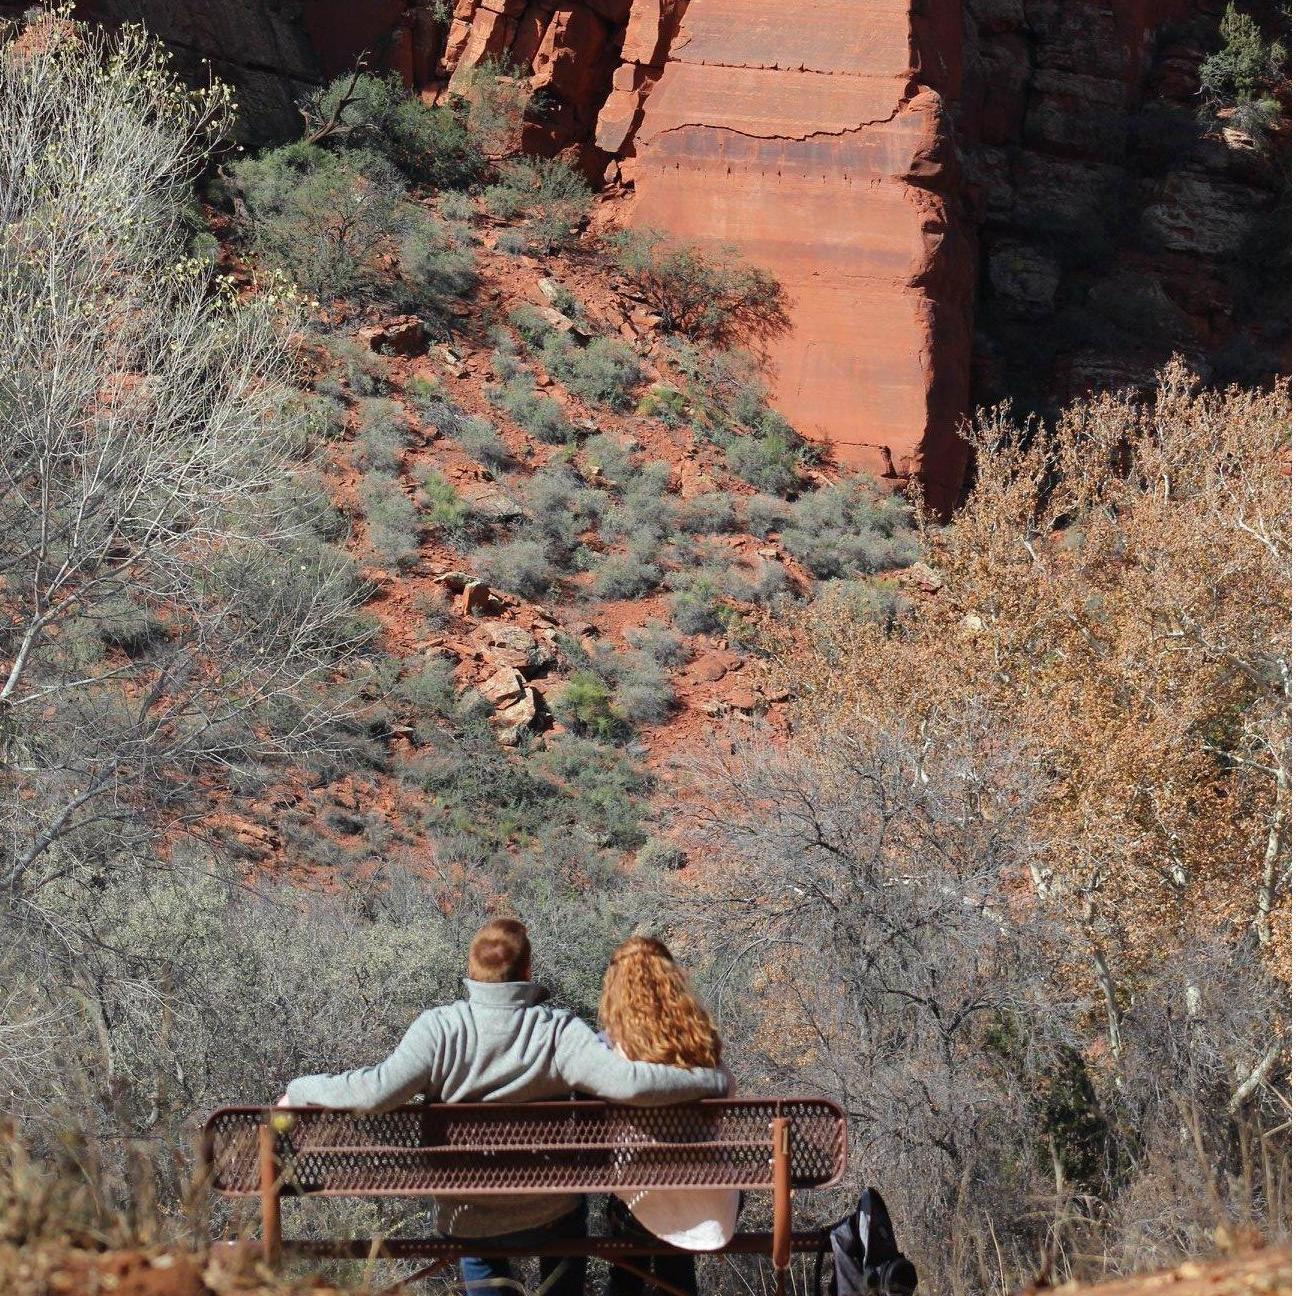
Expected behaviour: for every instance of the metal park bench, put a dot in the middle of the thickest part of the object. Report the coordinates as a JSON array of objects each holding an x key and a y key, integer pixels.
[{"x": 475, "y": 1150}]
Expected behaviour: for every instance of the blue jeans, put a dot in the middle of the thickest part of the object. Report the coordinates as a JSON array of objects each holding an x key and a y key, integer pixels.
[{"x": 570, "y": 1282}]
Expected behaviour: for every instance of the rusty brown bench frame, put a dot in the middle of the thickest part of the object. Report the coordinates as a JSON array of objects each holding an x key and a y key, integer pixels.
[{"x": 477, "y": 1150}]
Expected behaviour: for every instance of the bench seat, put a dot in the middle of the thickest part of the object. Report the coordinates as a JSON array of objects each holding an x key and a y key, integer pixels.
[{"x": 476, "y": 1150}]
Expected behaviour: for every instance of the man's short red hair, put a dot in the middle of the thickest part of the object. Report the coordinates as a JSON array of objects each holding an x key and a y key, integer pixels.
[{"x": 501, "y": 951}]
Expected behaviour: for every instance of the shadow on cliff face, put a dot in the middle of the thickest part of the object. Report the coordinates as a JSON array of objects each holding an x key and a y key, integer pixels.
[
  {"x": 1117, "y": 226},
  {"x": 276, "y": 53}
]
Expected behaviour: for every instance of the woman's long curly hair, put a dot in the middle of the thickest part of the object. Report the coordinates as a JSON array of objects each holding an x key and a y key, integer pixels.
[{"x": 650, "y": 1012}]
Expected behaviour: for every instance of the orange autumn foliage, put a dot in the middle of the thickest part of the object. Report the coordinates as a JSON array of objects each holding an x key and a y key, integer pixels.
[{"x": 1115, "y": 595}]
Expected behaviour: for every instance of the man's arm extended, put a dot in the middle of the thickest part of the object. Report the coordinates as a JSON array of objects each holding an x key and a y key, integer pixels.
[
  {"x": 376, "y": 1088},
  {"x": 590, "y": 1066}
]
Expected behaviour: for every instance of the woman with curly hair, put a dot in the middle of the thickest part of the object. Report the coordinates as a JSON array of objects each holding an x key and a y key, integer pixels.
[{"x": 649, "y": 1013}]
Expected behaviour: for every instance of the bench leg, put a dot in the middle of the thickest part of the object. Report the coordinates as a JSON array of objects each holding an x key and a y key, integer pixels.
[
  {"x": 782, "y": 1229},
  {"x": 271, "y": 1221}
]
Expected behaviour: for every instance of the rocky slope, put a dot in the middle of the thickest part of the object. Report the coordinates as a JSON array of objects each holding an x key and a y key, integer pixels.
[
  {"x": 513, "y": 655},
  {"x": 902, "y": 167}
]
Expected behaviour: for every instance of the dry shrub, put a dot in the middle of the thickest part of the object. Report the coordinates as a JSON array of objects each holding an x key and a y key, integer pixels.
[
  {"x": 1017, "y": 892},
  {"x": 1116, "y": 596}
]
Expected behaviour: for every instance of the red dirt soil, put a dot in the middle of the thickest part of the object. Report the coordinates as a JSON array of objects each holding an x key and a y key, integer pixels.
[{"x": 721, "y": 687}]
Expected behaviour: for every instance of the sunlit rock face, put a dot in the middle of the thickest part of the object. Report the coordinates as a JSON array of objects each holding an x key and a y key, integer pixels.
[
  {"x": 816, "y": 145},
  {"x": 897, "y": 164}
]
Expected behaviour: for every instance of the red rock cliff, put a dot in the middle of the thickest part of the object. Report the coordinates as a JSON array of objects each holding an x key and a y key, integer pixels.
[
  {"x": 819, "y": 140},
  {"x": 814, "y": 143},
  {"x": 817, "y": 147}
]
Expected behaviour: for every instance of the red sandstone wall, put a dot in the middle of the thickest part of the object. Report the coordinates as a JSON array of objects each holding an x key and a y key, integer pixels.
[
  {"x": 812, "y": 146},
  {"x": 815, "y": 138},
  {"x": 812, "y": 143}
]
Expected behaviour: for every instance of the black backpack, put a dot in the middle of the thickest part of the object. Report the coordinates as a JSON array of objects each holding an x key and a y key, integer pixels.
[{"x": 866, "y": 1259}]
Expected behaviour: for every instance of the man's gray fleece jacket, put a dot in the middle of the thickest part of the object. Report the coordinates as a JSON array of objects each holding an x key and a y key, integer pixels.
[{"x": 503, "y": 1043}]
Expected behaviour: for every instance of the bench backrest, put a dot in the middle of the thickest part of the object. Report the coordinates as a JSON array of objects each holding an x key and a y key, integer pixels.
[{"x": 478, "y": 1149}]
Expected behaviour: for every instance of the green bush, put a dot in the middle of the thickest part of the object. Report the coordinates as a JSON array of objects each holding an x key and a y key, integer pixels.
[
  {"x": 364, "y": 373},
  {"x": 728, "y": 395},
  {"x": 382, "y": 436},
  {"x": 603, "y": 373},
  {"x": 483, "y": 794},
  {"x": 560, "y": 506},
  {"x": 708, "y": 514},
  {"x": 693, "y": 553},
  {"x": 644, "y": 692},
  {"x": 431, "y": 144},
  {"x": 547, "y": 192},
  {"x": 425, "y": 394},
  {"x": 443, "y": 508},
  {"x": 695, "y": 605},
  {"x": 713, "y": 296},
  {"x": 558, "y": 509},
  {"x": 532, "y": 327},
  {"x": 537, "y": 414},
  {"x": 584, "y": 705},
  {"x": 320, "y": 215},
  {"x": 521, "y": 566},
  {"x": 849, "y": 529},
  {"x": 429, "y": 688},
  {"x": 1257, "y": 118},
  {"x": 626, "y": 576},
  {"x": 609, "y": 456},
  {"x": 392, "y": 519},
  {"x": 765, "y": 513},
  {"x": 434, "y": 605},
  {"x": 457, "y": 207},
  {"x": 303, "y": 501},
  {"x": 324, "y": 418},
  {"x": 370, "y": 727},
  {"x": 480, "y": 440},
  {"x": 496, "y": 96},
  {"x": 747, "y": 400},
  {"x": 479, "y": 791},
  {"x": 129, "y": 626},
  {"x": 1245, "y": 66},
  {"x": 767, "y": 584},
  {"x": 566, "y": 301},
  {"x": 666, "y": 404},
  {"x": 646, "y": 513},
  {"x": 604, "y": 785},
  {"x": 506, "y": 360},
  {"x": 640, "y": 688},
  {"x": 768, "y": 458},
  {"x": 863, "y": 600},
  {"x": 511, "y": 242},
  {"x": 435, "y": 269},
  {"x": 660, "y": 642}
]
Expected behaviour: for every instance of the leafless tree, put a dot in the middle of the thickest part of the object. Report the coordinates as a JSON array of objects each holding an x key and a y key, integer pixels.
[
  {"x": 864, "y": 934},
  {"x": 870, "y": 928},
  {"x": 1204, "y": 1106},
  {"x": 160, "y": 587}
]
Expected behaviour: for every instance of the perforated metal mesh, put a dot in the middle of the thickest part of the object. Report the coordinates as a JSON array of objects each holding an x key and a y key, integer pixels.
[{"x": 483, "y": 1148}]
